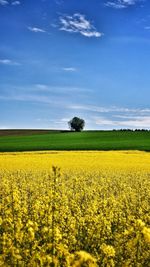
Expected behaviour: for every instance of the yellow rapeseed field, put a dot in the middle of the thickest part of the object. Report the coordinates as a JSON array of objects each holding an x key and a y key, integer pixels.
[{"x": 93, "y": 209}]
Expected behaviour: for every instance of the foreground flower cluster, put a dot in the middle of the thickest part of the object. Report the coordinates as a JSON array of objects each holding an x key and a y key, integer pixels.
[{"x": 80, "y": 217}]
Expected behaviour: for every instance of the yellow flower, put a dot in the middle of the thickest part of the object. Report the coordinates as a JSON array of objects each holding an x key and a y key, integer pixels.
[
  {"x": 140, "y": 223},
  {"x": 146, "y": 233},
  {"x": 108, "y": 250},
  {"x": 31, "y": 233},
  {"x": 82, "y": 258}
]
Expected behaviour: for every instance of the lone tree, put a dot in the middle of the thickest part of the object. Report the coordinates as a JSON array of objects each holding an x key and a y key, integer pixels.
[{"x": 76, "y": 124}]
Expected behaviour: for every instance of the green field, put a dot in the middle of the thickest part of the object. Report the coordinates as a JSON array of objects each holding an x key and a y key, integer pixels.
[{"x": 87, "y": 140}]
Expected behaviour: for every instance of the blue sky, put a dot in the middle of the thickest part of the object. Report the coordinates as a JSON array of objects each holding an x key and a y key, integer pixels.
[{"x": 66, "y": 58}]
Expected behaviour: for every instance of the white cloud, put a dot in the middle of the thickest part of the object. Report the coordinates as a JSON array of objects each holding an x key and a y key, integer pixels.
[
  {"x": 62, "y": 122},
  {"x": 57, "y": 89},
  {"x": 131, "y": 117},
  {"x": 147, "y": 27},
  {"x": 90, "y": 108},
  {"x": 77, "y": 23},
  {"x": 99, "y": 109},
  {"x": 128, "y": 122},
  {"x": 42, "y": 87},
  {"x": 4, "y": 2},
  {"x": 103, "y": 121},
  {"x": 42, "y": 93},
  {"x": 120, "y": 4},
  {"x": 55, "y": 124},
  {"x": 61, "y": 97},
  {"x": 16, "y": 3},
  {"x": 35, "y": 29},
  {"x": 137, "y": 122},
  {"x": 69, "y": 69},
  {"x": 27, "y": 98},
  {"x": 59, "y": 2},
  {"x": 9, "y": 62}
]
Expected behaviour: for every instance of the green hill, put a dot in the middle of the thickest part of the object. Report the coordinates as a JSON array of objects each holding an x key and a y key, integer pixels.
[{"x": 32, "y": 140}]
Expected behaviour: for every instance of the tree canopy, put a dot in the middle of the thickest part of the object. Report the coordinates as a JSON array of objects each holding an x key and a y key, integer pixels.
[{"x": 76, "y": 124}]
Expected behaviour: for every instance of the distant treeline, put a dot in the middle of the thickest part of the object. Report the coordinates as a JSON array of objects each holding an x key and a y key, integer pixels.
[{"x": 132, "y": 130}]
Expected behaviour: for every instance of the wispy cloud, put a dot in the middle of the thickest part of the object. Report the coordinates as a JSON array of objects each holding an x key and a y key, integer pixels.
[
  {"x": 111, "y": 109},
  {"x": 27, "y": 98},
  {"x": 42, "y": 93},
  {"x": 45, "y": 89},
  {"x": 16, "y": 3},
  {"x": 147, "y": 27},
  {"x": 102, "y": 121},
  {"x": 69, "y": 69},
  {"x": 59, "y": 2},
  {"x": 9, "y": 62},
  {"x": 77, "y": 23},
  {"x": 90, "y": 108},
  {"x": 133, "y": 122},
  {"x": 60, "y": 121},
  {"x": 42, "y": 87},
  {"x": 137, "y": 122},
  {"x": 36, "y": 30},
  {"x": 58, "y": 89},
  {"x": 4, "y": 2},
  {"x": 120, "y": 4},
  {"x": 108, "y": 117}
]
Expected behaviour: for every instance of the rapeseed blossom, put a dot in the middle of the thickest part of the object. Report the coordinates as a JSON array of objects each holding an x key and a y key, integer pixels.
[{"x": 92, "y": 211}]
